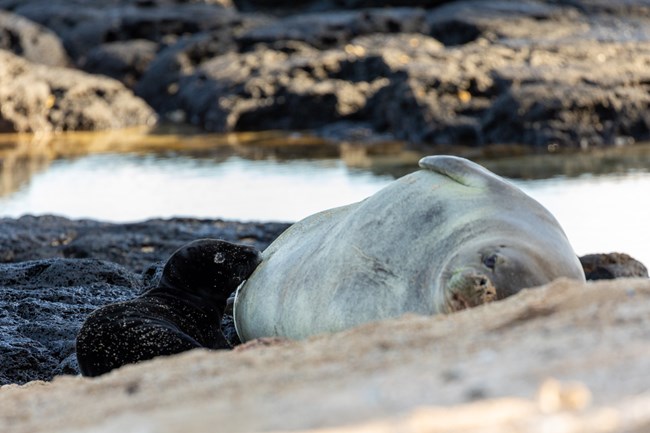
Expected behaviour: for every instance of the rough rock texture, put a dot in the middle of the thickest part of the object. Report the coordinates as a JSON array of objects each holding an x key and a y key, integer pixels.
[
  {"x": 159, "y": 85},
  {"x": 538, "y": 73},
  {"x": 288, "y": 6},
  {"x": 332, "y": 29},
  {"x": 38, "y": 98},
  {"x": 83, "y": 25},
  {"x": 54, "y": 271},
  {"x": 124, "y": 61},
  {"x": 83, "y": 265},
  {"x": 545, "y": 73},
  {"x": 610, "y": 266},
  {"x": 43, "y": 304},
  {"x": 30, "y": 40},
  {"x": 493, "y": 362},
  {"x": 135, "y": 246}
]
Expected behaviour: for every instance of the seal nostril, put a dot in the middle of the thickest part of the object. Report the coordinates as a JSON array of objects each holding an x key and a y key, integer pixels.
[{"x": 490, "y": 261}]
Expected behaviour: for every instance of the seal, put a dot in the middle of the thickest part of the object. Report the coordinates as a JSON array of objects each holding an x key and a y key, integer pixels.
[
  {"x": 183, "y": 312},
  {"x": 450, "y": 236}
]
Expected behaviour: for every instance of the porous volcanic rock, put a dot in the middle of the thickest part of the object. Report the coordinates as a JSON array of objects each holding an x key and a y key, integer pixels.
[
  {"x": 135, "y": 246},
  {"x": 159, "y": 84},
  {"x": 467, "y": 72},
  {"x": 612, "y": 265},
  {"x": 43, "y": 304},
  {"x": 83, "y": 25},
  {"x": 56, "y": 271},
  {"x": 288, "y": 6},
  {"x": 330, "y": 29},
  {"x": 548, "y": 74},
  {"x": 39, "y": 98},
  {"x": 124, "y": 61},
  {"x": 31, "y": 41}
]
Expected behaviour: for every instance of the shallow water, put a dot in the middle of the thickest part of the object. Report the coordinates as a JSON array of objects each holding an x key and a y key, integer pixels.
[
  {"x": 125, "y": 188},
  {"x": 602, "y": 212}
]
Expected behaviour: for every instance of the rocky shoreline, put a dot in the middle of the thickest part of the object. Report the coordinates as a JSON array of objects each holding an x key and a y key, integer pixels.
[
  {"x": 548, "y": 74},
  {"x": 55, "y": 271}
]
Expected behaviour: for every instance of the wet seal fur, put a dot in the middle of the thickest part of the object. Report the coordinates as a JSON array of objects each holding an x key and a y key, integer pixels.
[
  {"x": 450, "y": 236},
  {"x": 183, "y": 312}
]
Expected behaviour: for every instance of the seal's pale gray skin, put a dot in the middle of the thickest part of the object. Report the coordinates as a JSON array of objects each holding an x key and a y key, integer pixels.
[{"x": 450, "y": 236}]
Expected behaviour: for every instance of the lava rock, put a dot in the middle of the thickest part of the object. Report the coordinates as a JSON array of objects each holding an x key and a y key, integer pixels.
[
  {"x": 43, "y": 304},
  {"x": 136, "y": 246},
  {"x": 287, "y": 6},
  {"x": 31, "y": 41},
  {"x": 160, "y": 82},
  {"x": 329, "y": 29},
  {"x": 124, "y": 61},
  {"x": 57, "y": 271},
  {"x": 611, "y": 266},
  {"x": 84, "y": 25},
  {"x": 39, "y": 98},
  {"x": 461, "y": 22}
]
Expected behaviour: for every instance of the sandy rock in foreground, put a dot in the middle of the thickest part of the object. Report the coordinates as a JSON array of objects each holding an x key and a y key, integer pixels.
[{"x": 480, "y": 370}]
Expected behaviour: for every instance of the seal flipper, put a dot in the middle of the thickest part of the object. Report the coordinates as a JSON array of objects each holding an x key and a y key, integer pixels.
[
  {"x": 460, "y": 170},
  {"x": 127, "y": 333}
]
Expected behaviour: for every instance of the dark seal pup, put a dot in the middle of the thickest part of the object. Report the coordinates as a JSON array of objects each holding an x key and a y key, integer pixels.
[{"x": 182, "y": 313}]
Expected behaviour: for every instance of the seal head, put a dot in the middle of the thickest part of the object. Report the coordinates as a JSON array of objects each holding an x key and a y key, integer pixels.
[{"x": 205, "y": 268}]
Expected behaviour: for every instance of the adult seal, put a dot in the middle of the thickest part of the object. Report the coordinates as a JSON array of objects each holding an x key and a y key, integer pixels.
[
  {"x": 450, "y": 236},
  {"x": 183, "y": 312}
]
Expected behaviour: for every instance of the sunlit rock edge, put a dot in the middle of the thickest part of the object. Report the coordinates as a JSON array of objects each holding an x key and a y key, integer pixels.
[{"x": 568, "y": 357}]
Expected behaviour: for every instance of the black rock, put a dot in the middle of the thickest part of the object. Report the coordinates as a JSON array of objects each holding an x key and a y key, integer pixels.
[
  {"x": 85, "y": 25},
  {"x": 42, "y": 306},
  {"x": 612, "y": 265},
  {"x": 125, "y": 61},
  {"x": 31, "y": 40},
  {"x": 57, "y": 271}
]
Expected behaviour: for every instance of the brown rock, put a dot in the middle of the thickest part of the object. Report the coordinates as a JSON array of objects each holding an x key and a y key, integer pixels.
[
  {"x": 38, "y": 98},
  {"x": 31, "y": 41},
  {"x": 479, "y": 370}
]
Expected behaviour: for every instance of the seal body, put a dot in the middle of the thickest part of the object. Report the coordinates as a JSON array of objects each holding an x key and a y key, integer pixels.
[
  {"x": 183, "y": 312},
  {"x": 450, "y": 236}
]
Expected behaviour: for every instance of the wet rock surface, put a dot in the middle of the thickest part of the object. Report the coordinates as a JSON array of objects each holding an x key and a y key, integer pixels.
[
  {"x": 55, "y": 271},
  {"x": 548, "y": 74}
]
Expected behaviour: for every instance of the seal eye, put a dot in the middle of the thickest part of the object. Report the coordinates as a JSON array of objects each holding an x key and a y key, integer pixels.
[
  {"x": 219, "y": 258},
  {"x": 490, "y": 261}
]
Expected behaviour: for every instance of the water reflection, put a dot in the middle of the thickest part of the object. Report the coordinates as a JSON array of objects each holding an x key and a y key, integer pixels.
[
  {"x": 22, "y": 156},
  {"x": 598, "y": 197},
  {"x": 129, "y": 187},
  {"x": 603, "y": 213},
  {"x": 20, "y": 159}
]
